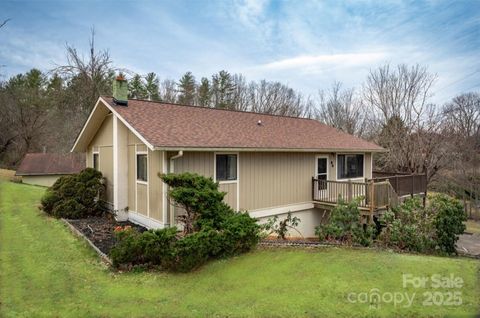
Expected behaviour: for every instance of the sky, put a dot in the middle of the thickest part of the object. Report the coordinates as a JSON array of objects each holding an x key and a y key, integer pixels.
[{"x": 307, "y": 45}]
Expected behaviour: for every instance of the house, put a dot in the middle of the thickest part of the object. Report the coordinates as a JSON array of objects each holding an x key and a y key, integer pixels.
[
  {"x": 267, "y": 164},
  {"x": 45, "y": 168}
]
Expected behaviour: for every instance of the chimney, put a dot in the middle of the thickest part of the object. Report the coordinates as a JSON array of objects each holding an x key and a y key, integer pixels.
[{"x": 120, "y": 90}]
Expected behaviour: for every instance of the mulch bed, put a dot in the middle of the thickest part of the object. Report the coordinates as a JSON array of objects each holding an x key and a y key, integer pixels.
[{"x": 100, "y": 230}]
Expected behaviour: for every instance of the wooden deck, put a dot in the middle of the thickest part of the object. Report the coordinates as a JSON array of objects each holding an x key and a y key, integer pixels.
[{"x": 374, "y": 196}]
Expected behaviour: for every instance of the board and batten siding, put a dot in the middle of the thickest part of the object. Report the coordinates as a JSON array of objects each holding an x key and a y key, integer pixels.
[
  {"x": 269, "y": 179},
  {"x": 203, "y": 163},
  {"x": 103, "y": 143}
]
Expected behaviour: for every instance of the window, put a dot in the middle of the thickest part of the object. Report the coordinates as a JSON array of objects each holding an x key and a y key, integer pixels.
[
  {"x": 142, "y": 168},
  {"x": 95, "y": 161},
  {"x": 349, "y": 166},
  {"x": 226, "y": 167}
]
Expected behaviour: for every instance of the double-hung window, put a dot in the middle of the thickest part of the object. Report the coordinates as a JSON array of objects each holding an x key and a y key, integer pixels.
[
  {"x": 350, "y": 166},
  {"x": 226, "y": 167}
]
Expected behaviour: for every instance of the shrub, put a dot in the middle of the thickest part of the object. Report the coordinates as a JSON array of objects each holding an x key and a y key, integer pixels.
[
  {"x": 344, "y": 225},
  {"x": 240, "y": 233},
  {"x": 412, "y": 227},
  {"x": 448, "y": 222},
  {"x": 201, "y": 199},
  {"x": 408, "y": 227},
  {"x": 281, "y": 228},
  {"x": 74, "y": 196},
  {"x": 215, "y": 230}
]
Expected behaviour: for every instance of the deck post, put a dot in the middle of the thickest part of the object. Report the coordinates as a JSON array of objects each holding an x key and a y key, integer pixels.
[
  {"x": 349, "y": 190},
  {"x": 313, "y": 188},
  {"x": 372, "y": 200}
]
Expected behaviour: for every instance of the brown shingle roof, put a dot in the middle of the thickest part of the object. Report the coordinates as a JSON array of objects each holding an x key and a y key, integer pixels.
[
  {"x": 51, "y": 163},
  {"x": 179, "y": 126}
]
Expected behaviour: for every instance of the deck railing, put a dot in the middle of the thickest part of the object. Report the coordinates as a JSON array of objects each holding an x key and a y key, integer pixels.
[
  {"x": 370, "y": 194},
  {"x": 404, "y": 184}
]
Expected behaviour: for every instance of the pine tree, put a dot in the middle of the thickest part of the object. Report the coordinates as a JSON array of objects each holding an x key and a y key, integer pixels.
[
  {"x": 186, "y": 89},
  {"x": 204, "y": 93},
  {"x": 136, "y": 88},
  {"x": 223, "y": 89},
  {"x": 152, "y": 86}
]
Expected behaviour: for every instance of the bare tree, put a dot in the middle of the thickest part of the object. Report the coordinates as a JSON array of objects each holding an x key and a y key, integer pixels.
[
  {"x": 342, "y": 109},
  {"x": 462, "y": 116},
  {"x": 168, "y": 91},
  {"x": 409, "y": 127}
]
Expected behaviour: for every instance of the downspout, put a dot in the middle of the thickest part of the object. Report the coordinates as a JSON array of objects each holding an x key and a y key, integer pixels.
[
  {"x": 172, "y": 164},
  {"x": 172, "y": 170}
]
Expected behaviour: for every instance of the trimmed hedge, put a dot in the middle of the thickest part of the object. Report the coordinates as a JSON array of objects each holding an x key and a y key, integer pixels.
[{"x": 75, "y": 196}]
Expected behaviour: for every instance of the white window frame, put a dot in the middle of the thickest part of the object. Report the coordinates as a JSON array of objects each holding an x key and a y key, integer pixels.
[
  {"x": 141, "y": 152},
  {"x": 351, "y": 154},
  {"x": 137, "y": 182},
  {"x": 215, "y": 167}
]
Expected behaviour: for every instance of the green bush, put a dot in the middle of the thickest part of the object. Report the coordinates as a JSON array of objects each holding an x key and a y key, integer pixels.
[
  {"x": 345, "y": 225},
  {"x": 413, "y": 227},
  {"x": 215, "y": 230},
  {"x": 74, "y": 196},
  {"x": 448, "y": 222},
  {"x": 199, "y": 197},
  {"x": 240, "y": 233},
  {"x": 408, "y": 227}
]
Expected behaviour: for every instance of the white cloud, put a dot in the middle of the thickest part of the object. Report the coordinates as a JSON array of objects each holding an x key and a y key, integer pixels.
[
  {"x": 324, "y": 61},
  {"x": 250, "y": 12}
]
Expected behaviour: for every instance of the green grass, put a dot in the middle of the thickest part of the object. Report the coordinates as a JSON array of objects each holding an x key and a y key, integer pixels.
[{"x": 46, "y": 271}]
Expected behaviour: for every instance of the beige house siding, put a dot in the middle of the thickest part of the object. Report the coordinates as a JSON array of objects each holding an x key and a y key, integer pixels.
[
  {"x": 103, "y": 143},
  {"x": 131, "y": 178},
  {"x": 155, "y": 164},
  {"x": 142, "y": 199},
  {"x": 275, "y": 179},
  {"x": 231, "y": 197},
  {"x": 45, "y": 181},
  {"x": 197, "y": 162},
  {"x": 266, "y": 179}
]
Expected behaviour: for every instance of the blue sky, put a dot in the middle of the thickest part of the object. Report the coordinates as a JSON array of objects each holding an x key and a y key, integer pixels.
[{"x": 305, "y": 44}]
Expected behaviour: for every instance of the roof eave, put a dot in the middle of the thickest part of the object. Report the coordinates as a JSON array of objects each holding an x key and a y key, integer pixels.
[{"x": 264, "y": 149}]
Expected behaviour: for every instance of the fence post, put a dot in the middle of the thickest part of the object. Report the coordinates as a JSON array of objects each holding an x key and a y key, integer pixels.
[
  {"x": 413, "y": 185},
  {"x": 396, "y": 183}
]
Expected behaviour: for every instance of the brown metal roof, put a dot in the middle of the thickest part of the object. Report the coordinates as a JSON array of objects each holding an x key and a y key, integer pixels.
[
  {"x": 51, "y": 163},
  {"x": 166, "y": 125}
]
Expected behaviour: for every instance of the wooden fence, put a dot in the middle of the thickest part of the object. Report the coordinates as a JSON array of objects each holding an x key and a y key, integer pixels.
[{"x": 405, "y": 184}]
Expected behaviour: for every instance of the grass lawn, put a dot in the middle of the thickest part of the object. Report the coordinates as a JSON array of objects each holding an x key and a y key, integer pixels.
[{"x": 46, "y": 271}]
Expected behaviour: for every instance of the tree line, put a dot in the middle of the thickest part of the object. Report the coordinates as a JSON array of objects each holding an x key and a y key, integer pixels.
[{"x": 392, "y": 108}]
